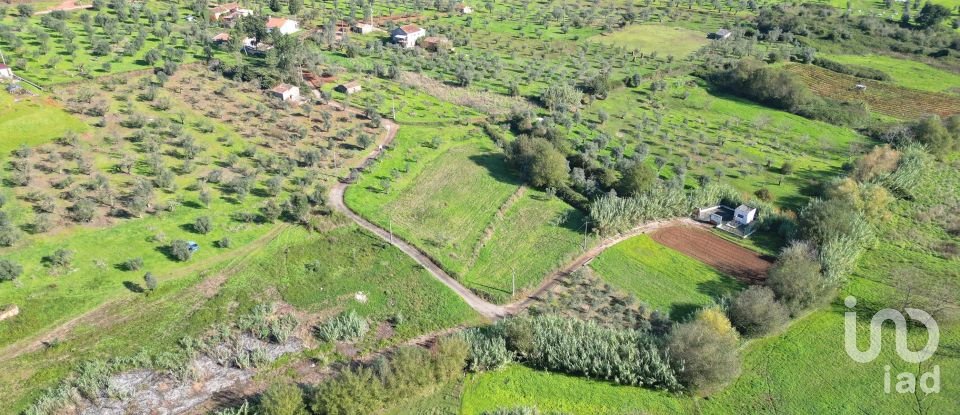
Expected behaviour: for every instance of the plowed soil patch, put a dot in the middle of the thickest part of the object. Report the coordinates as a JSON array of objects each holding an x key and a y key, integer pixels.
[{"x": 725, "y": 256}]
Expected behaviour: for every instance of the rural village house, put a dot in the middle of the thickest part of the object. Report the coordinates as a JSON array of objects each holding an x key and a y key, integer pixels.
[
  {"x": 283, "y": 25},
  {"x": 228, "y": 12},
  {"x": 286, "y": 92},
  {"x": 349, "y": 88},
  {"x": 407, "y": 35},
  {"x": 463, "y": 8},
  {"x": 5, "y": 71}
]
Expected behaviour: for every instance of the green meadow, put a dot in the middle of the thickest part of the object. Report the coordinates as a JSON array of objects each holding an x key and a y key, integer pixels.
[
  {"x": 32, "y": 121},
  {"x": 653, "y": 38},
  {"x": 348, "y": 260},
  {"x": 906, "y": 73},
  {"x": 664, "y": 279}
]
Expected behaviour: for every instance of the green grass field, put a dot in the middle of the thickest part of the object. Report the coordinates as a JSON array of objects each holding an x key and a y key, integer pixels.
[
  {"x": 351, "y": 261},
  {"x": 648, "y": 38},
  {"x": 463, "y": 206},
  {"x": 32, "y": 121},
  {"x": 906, "y": 73},
  {"x": 661, "y": 277}
]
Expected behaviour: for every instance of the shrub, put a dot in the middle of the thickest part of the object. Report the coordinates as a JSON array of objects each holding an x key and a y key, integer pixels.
[
  {"x": 61, "y": 258},
  {"x": 150, "y": 281},
  {"x": 580, "y": 347},
  {"x": 796, "y": 278},
  {"x": 180, "y": 250},
  {"x": 541, "y": 163},
  {"x": 487, "y": 350},
  {"x": 704, "y": 352},
  {"x": 9, "y": 270},
  {"x": 133, "y": 264},
  {"x": 224, "y": 243},
  {"x": 344, "y": 327},
  {"x": 756, "y": 312},
  {"x": 282, "y": 399},
  {"x": 203, "y": 225}
]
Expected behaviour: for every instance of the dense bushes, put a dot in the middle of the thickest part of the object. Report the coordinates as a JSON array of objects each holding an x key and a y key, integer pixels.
[
  {"x": 939, "y": 136},
  {"x": 585, "y": 348},
  {"x": 755, "y": 311},
  {"x": 487, "y": 349},
  {"x": 796, "y": 278},
  {"x": 704, "y": 352},
  {"x": 9, "y": 270},
  {"x": 541, "y": 163},
  {"x": 853, "y": 70},
  {"x": 780, "y": 89},
  {"x": 611, "y": 213},
  {"x": 365, "y": 390},
  {"x": 346, "y": 326}
]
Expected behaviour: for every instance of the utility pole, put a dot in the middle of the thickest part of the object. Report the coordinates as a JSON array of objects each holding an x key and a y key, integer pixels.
[
  {"x": 586, "y": 226},
  {"x": 513, "y": 289}
]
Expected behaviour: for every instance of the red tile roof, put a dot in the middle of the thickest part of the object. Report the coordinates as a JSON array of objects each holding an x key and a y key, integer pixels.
[
  {"x": 410, "y": 28},
  {"x": 275, "y": 22},
  {"x": 281, "y": 88}
]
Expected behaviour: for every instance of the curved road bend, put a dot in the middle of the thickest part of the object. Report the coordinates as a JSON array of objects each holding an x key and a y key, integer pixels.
[{"x": 485, "y": 308}]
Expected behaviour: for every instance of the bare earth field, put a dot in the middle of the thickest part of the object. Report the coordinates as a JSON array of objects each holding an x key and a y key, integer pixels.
[{"x": 705, "y": 247}]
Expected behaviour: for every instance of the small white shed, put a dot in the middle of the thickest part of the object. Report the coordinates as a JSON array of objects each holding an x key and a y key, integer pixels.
[{"x": 744, "y": 214}]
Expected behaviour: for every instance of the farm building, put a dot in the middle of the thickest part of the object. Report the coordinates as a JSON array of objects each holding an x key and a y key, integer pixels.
[
  {"x": 722, "y": 34},
  {"x": 349, "y": 88},
  {"x": 283, "y": 25},
  {"x": 744, "y": 214},
  {"x": 362, "y": 28},
  {"x": 228, "y": 12},
  {"x": 407, "y": 35},
  {"x": 5, "y": 71},
  {"x": 737, "y": 221},
  {"x": 222, "y": 37},
  {"x": 463, "y": 8},
  {"x": 436, "y": 43},
  {"x": 286, "y": 92}
]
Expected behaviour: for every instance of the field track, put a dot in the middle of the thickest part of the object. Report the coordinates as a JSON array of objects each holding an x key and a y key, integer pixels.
[
  {"x": 727, "y": 257},
  {"x": 481, "y": 306}
]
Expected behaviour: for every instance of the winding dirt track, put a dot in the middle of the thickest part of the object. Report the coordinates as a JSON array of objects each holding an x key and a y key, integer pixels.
[{"x": 485, "y": 308}]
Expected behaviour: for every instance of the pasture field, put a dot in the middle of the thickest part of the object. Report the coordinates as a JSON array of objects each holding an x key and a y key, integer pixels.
[
  {"x": 517, "y": 385},
  {"x": 463, "y": 205},
  {"x": 883, "y": 98},
  {"x": 906, "y": 73},
  {"x": 652, "y": 38},
  {"x": 664, "y": 279},
  {"x": 281, "y": 271},
  {"x": 32, "y": 121}
]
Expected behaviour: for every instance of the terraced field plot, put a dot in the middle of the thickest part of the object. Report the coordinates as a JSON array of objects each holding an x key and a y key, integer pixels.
[
  {"x": 464, "y": 207},
  {"x": 660, "y": 39},
  {"x": 661, "y": 277},
  {"x": 887, "y": 99}
]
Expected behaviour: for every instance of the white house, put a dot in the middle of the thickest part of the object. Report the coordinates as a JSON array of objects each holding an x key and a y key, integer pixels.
[
  {"x": 283, "y": 25},
  {"x": 463, "y": 8},
  {"x": 407, "y": 35},
  {"x": 5, "y": 71},
  {"x": 744, "y": 214},
  {"x": 286, "y": 92}
]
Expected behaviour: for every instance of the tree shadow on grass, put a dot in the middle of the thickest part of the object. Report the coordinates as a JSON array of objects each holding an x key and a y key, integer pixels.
[
  {"x": 133, "y": 287},
  {"x": 683, "y": 311},
  {"x": 497, "y": 167}
]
